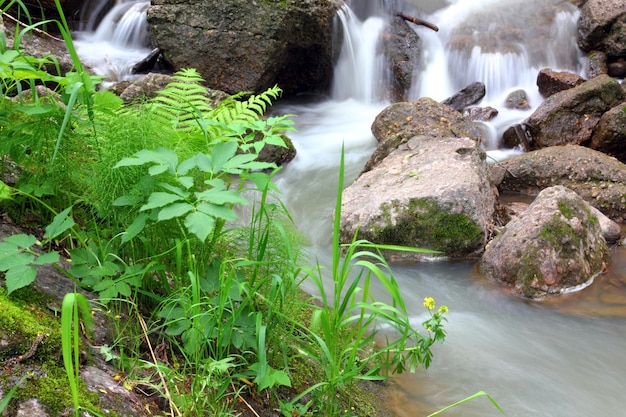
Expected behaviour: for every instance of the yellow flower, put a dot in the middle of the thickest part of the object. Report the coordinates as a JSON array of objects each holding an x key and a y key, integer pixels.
[
  {"x": 429, "y": 303},
  {"x": 443, "y": 309}
]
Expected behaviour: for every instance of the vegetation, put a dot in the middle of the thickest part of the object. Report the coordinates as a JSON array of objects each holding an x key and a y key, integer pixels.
[{"x": 147, "y": 200}]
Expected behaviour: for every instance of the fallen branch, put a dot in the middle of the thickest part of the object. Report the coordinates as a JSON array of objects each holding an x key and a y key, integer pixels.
[
  {"x": 418, "y": 21},
  {"x": 41, "y": 32}
]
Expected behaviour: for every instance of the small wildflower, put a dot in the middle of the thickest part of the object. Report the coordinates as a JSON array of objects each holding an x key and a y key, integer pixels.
[
  {"x": 443, "y": 309},
  {"x": 429, "y": 303}
]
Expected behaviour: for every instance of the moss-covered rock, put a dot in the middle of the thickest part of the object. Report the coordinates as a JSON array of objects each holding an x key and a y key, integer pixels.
[
  {"x": 430, "y": 193},
  {"x": 554, "y": 247}
]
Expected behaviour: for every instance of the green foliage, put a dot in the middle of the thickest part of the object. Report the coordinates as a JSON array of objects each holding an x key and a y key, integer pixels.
[
  {"x": 470, "y": 398},
  {"x": 18, "y": 259},
  {"x": 346, "y": 321},
  {"x": 75, "y": 306}
]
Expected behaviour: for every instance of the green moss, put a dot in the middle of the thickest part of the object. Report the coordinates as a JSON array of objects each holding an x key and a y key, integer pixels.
[
  {"x": 23, "y": 316},
  {"x": 566, "y": 209},
  {"x": 424, "y": 222}
]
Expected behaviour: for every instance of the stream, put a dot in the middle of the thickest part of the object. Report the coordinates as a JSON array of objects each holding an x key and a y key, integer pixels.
[{"x": 561, "y": 358}]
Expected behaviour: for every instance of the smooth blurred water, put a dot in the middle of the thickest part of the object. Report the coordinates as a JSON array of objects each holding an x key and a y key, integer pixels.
[{"x": 564, "y": 358}]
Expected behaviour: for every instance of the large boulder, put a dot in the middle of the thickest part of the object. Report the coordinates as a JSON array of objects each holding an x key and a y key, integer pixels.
[
  {"x": 570, "y": 116},
  {"x": 600, "y": 26},
  {"x": 610, "y": 134},
  {"x": 242, "y": 45},
  {"x": 399, "y": 122},
  {"x": 553, "y": 247},
  {"x": 430, "y": 192},
  {"x": 595, "y": 176}
]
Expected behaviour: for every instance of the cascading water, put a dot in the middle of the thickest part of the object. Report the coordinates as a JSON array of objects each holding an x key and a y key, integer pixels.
[
  {"x": 562, "y": 359},
  {"x": 113, "y": 45},
  {"x": 559, "y": 359}
]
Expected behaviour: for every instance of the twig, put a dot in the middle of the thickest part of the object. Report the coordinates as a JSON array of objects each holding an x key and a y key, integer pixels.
[
  {"x": 17, "y": 22},
  {"x": 173, "y": 409},
  {"x": 245, "y": 402},
  {"x": 418, "y": 21}
]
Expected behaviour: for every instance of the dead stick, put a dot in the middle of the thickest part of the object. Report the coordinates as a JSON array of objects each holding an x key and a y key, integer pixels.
[
  {"x": 35, "y": 29},
  {"x": 418, "y": 21}
]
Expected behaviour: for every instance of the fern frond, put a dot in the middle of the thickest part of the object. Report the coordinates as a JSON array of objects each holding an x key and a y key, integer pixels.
[
  {"x": 182, "y": 102},
  {"x": 233, "y": 111}
]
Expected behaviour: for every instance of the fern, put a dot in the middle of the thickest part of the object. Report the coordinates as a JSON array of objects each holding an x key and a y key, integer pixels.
[{"x": 182, "y": 102}]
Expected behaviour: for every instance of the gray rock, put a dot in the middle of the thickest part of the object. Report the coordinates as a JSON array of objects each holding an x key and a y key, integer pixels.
[
  {"x": 570, "y": 116},
  {"x": 596, "y": 20},
  {"x": 31, "y": 408},
  {"x": 465, "y": 97},
  {"x": 517, "y": 100},
  {"x": 399, "y": 122},
  {"x": 553, "y": 247},
  {"x": 610, "y": 134},
  {"x": 431, "y": 193},
  {"x": 595, "y": 176},
  {"x": 242, "y": 45},
  {"x": 114, "y": 398}
]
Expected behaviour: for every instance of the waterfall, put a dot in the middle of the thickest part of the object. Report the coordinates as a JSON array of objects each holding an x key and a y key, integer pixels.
[
  {"x": 113, "y": 44},
  {"x": 359, "y": 72}
]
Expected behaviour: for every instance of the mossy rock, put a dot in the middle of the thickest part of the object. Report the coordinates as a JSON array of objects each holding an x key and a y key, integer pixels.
[
  {"x": 423, "y": 223},
  {"x": 23, "y": 317}
]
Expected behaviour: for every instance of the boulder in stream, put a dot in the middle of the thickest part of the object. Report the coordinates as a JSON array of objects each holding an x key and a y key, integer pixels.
[
  {"x": 399, "y": 122},
  {"x": 570, "y": 116},
  {"x": 430, "y": 192},
  {"x": 595, "y": 176},
  {"x": 555, "y": 246},
  {"x": 241, "y": 45}
]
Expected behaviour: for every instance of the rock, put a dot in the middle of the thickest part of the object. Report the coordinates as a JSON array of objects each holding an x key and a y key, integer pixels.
[
  {"x": 145, "y": 86},
  {"x": 617, "y": 69},
  {"x": 469, "y": 95},
  {"x": 611, "y": 231},
  {"x": 615, "y": 42},
  {"x": 242, "y": 45},
  {"x": 114, "y": 398},
  {"x": 402, "y": 47},
  {"x": 596, "y": 177},
  {"x": 610, "y": 134},
  {"x": 596, "y": 21},
  {"x": 550, "y": 81},
  {"x": 399, "y": 122},
  {"x": 31, "y": 408},
  {"x": 480, "y": 114},
  {"x": 517, "y": 100},
  {"x": 517, "y": 136},
  {"x": 596, "y": 64},
  {"x": 555, "y": 246},
  {"x": 570, "y": 116},
  {"x": 430, "y": 193}
]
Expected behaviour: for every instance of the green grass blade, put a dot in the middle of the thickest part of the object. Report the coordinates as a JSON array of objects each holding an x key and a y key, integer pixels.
[{"x": 471, "y": 397}]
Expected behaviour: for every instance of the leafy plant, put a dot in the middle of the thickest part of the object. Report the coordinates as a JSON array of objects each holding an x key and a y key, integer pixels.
[
  {"x": 75, "y": 307},
  {"x": 344, "y": 327}
]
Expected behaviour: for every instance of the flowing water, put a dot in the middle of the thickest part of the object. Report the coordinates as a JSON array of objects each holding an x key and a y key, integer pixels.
[{"x": 563, "y": 358}]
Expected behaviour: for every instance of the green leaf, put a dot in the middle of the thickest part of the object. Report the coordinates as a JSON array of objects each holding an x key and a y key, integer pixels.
[
  {"x": 174, "y": 210},
  {"x": 222, "y": 153},
  {"x": 47, "y": 258},
  {"x": 61, "y": 222},
  {"x": 5, "y": 192},
  {"x": 19, "y": 277},
  {"x": 21, "y": 240},
  {"x": 135, "y": 228},
  {"x": 16, "y": 260},
  {"x": 219, "y": 211},
  {"x": 221, "y": 197},
  {"x": 127, "y": 200},
  {"x": 160, "y": 199},
  {"x": 200, "y": 224}
]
